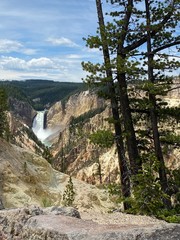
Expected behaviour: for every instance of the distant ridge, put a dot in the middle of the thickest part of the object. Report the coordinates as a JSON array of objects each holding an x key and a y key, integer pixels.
[{"x": 41, "y": 93}]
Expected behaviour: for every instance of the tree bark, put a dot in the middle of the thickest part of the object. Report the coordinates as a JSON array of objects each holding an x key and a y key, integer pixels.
[
  {"x": 124, "y": 176},
  {"x": 153, "y": 114},
  {"x": 131, "y": 141}
]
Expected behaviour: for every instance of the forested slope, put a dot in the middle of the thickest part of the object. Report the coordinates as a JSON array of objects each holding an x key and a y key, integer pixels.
[{"x": 40, "y": 93}]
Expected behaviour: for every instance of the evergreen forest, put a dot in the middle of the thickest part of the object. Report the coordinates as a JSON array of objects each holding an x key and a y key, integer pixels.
[{"x": 40, "y": 94}]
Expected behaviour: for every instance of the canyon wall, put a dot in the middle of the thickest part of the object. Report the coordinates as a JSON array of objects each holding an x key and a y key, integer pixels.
[
  {"x": 23, "y": 111},
  {"x": 61, "y": 113},
  {"x": 81, "y": 115},
  {"x": 74, "y": 153}
]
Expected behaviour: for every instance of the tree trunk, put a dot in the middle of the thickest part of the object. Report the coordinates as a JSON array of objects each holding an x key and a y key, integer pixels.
[
  {"x": 131, "y": 141},
  {"x": 124, "y": 176},
  {"x": 153, "y": 114}
]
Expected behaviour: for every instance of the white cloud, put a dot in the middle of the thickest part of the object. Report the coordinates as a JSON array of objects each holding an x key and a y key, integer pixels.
[
  {"x": 58, "y": 68},
  {"x": 28, "y": 51},
  {"x": 41, "y": 63},
  {"x": 62, "y": 42},
  {"x": 92, "y": 50},
  {"x": 12, "y": 63},
  {"x": 8, "y": 46},
  {"x": 74, "y": 56},
  {"x": 20, "y": 64}
]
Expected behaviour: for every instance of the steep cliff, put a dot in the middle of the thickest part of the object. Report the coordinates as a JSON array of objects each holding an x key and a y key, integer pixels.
[
  {"x": 75, "y": 154},
  {"x": 23, "y": 111},
  {"x": 20, "y": 118},
  {"x": 173, "y": 96},
  {"x": 62, "y": 112},
  {"x": 81, "y": 115}
]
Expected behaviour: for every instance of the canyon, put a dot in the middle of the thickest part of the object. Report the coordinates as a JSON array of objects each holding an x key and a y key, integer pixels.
[
  {"x": 68, "y": 127},
  {"x": 82, "y": 115},
  {"x": 32, "y": 189},
  {"x": 31, "y": 192}
]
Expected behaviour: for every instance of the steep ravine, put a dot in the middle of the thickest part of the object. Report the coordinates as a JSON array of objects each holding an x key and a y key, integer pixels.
[{"x": 70, "y": 123}]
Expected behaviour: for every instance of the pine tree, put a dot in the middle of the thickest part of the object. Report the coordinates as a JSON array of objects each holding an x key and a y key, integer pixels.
[
  {"x": 109, "y": 83},
  {"x": 69, "y": 194},
  {"x": 122, "y": 39},
  {"x": 156, "y": 82},
  {"x": 4, "y": 128}
]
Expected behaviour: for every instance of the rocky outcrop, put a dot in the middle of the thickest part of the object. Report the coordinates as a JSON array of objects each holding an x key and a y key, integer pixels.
[
  {"x": 173, "y": 96},
  {"x": 20, "y": 118},
  {"x": 36, "y": 223},
  {"x": 23, "y": 111},
  {"x": 14, "y": 223},
  {"x": 22, "y": 135},
  {"x": 175, "y": 89}
]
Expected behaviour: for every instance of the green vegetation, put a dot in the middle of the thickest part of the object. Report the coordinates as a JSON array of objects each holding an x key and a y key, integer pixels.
[
  {"x": 41, "y": 93},
  {"x": 83, "y": 118},
  {"x": 69, "y": 194},
  {"x": 46, "y": 202},
  {"x": 4, "y": 126},
  {"x": 41, "y": 149},
  {"x": 103, "y": 138}
]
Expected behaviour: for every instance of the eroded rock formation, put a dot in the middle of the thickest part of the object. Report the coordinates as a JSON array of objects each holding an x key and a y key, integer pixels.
[{"x": 62, "y": 112}]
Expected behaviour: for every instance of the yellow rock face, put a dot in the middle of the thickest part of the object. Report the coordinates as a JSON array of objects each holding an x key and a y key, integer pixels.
[{"x": 27, "y": 179}]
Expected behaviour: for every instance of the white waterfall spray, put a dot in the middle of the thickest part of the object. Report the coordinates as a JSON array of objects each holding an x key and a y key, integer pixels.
[{"x": 38, "y": 128}]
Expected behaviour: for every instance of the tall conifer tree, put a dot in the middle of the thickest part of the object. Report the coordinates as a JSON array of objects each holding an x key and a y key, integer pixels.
[{"x": 124, "y": 35}]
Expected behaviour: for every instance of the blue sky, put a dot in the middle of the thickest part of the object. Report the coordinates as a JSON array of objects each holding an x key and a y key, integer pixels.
[{"x": 42, "y": 39}]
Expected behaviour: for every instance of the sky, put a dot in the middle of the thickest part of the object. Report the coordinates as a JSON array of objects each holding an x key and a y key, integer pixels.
[{"x": 43, "y": 39}]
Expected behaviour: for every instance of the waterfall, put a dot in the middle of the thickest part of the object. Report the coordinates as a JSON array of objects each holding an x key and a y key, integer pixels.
[{"x": 39, "y": 126}]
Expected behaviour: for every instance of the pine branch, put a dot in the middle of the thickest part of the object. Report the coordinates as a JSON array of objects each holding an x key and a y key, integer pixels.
[
  {"x": 166, "y": 46},
  {"x": 156, "y": 28}
]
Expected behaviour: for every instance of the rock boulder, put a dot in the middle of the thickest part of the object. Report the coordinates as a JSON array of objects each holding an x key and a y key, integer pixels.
[{"x": 35, "y": 223}]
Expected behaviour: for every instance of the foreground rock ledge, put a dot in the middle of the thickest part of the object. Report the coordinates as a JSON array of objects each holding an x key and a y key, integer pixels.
[{"x": 36, "y": 224}]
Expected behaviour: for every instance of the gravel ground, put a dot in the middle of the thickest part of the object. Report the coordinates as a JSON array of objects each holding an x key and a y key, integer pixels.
[{"x": 119, "y": 218}]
